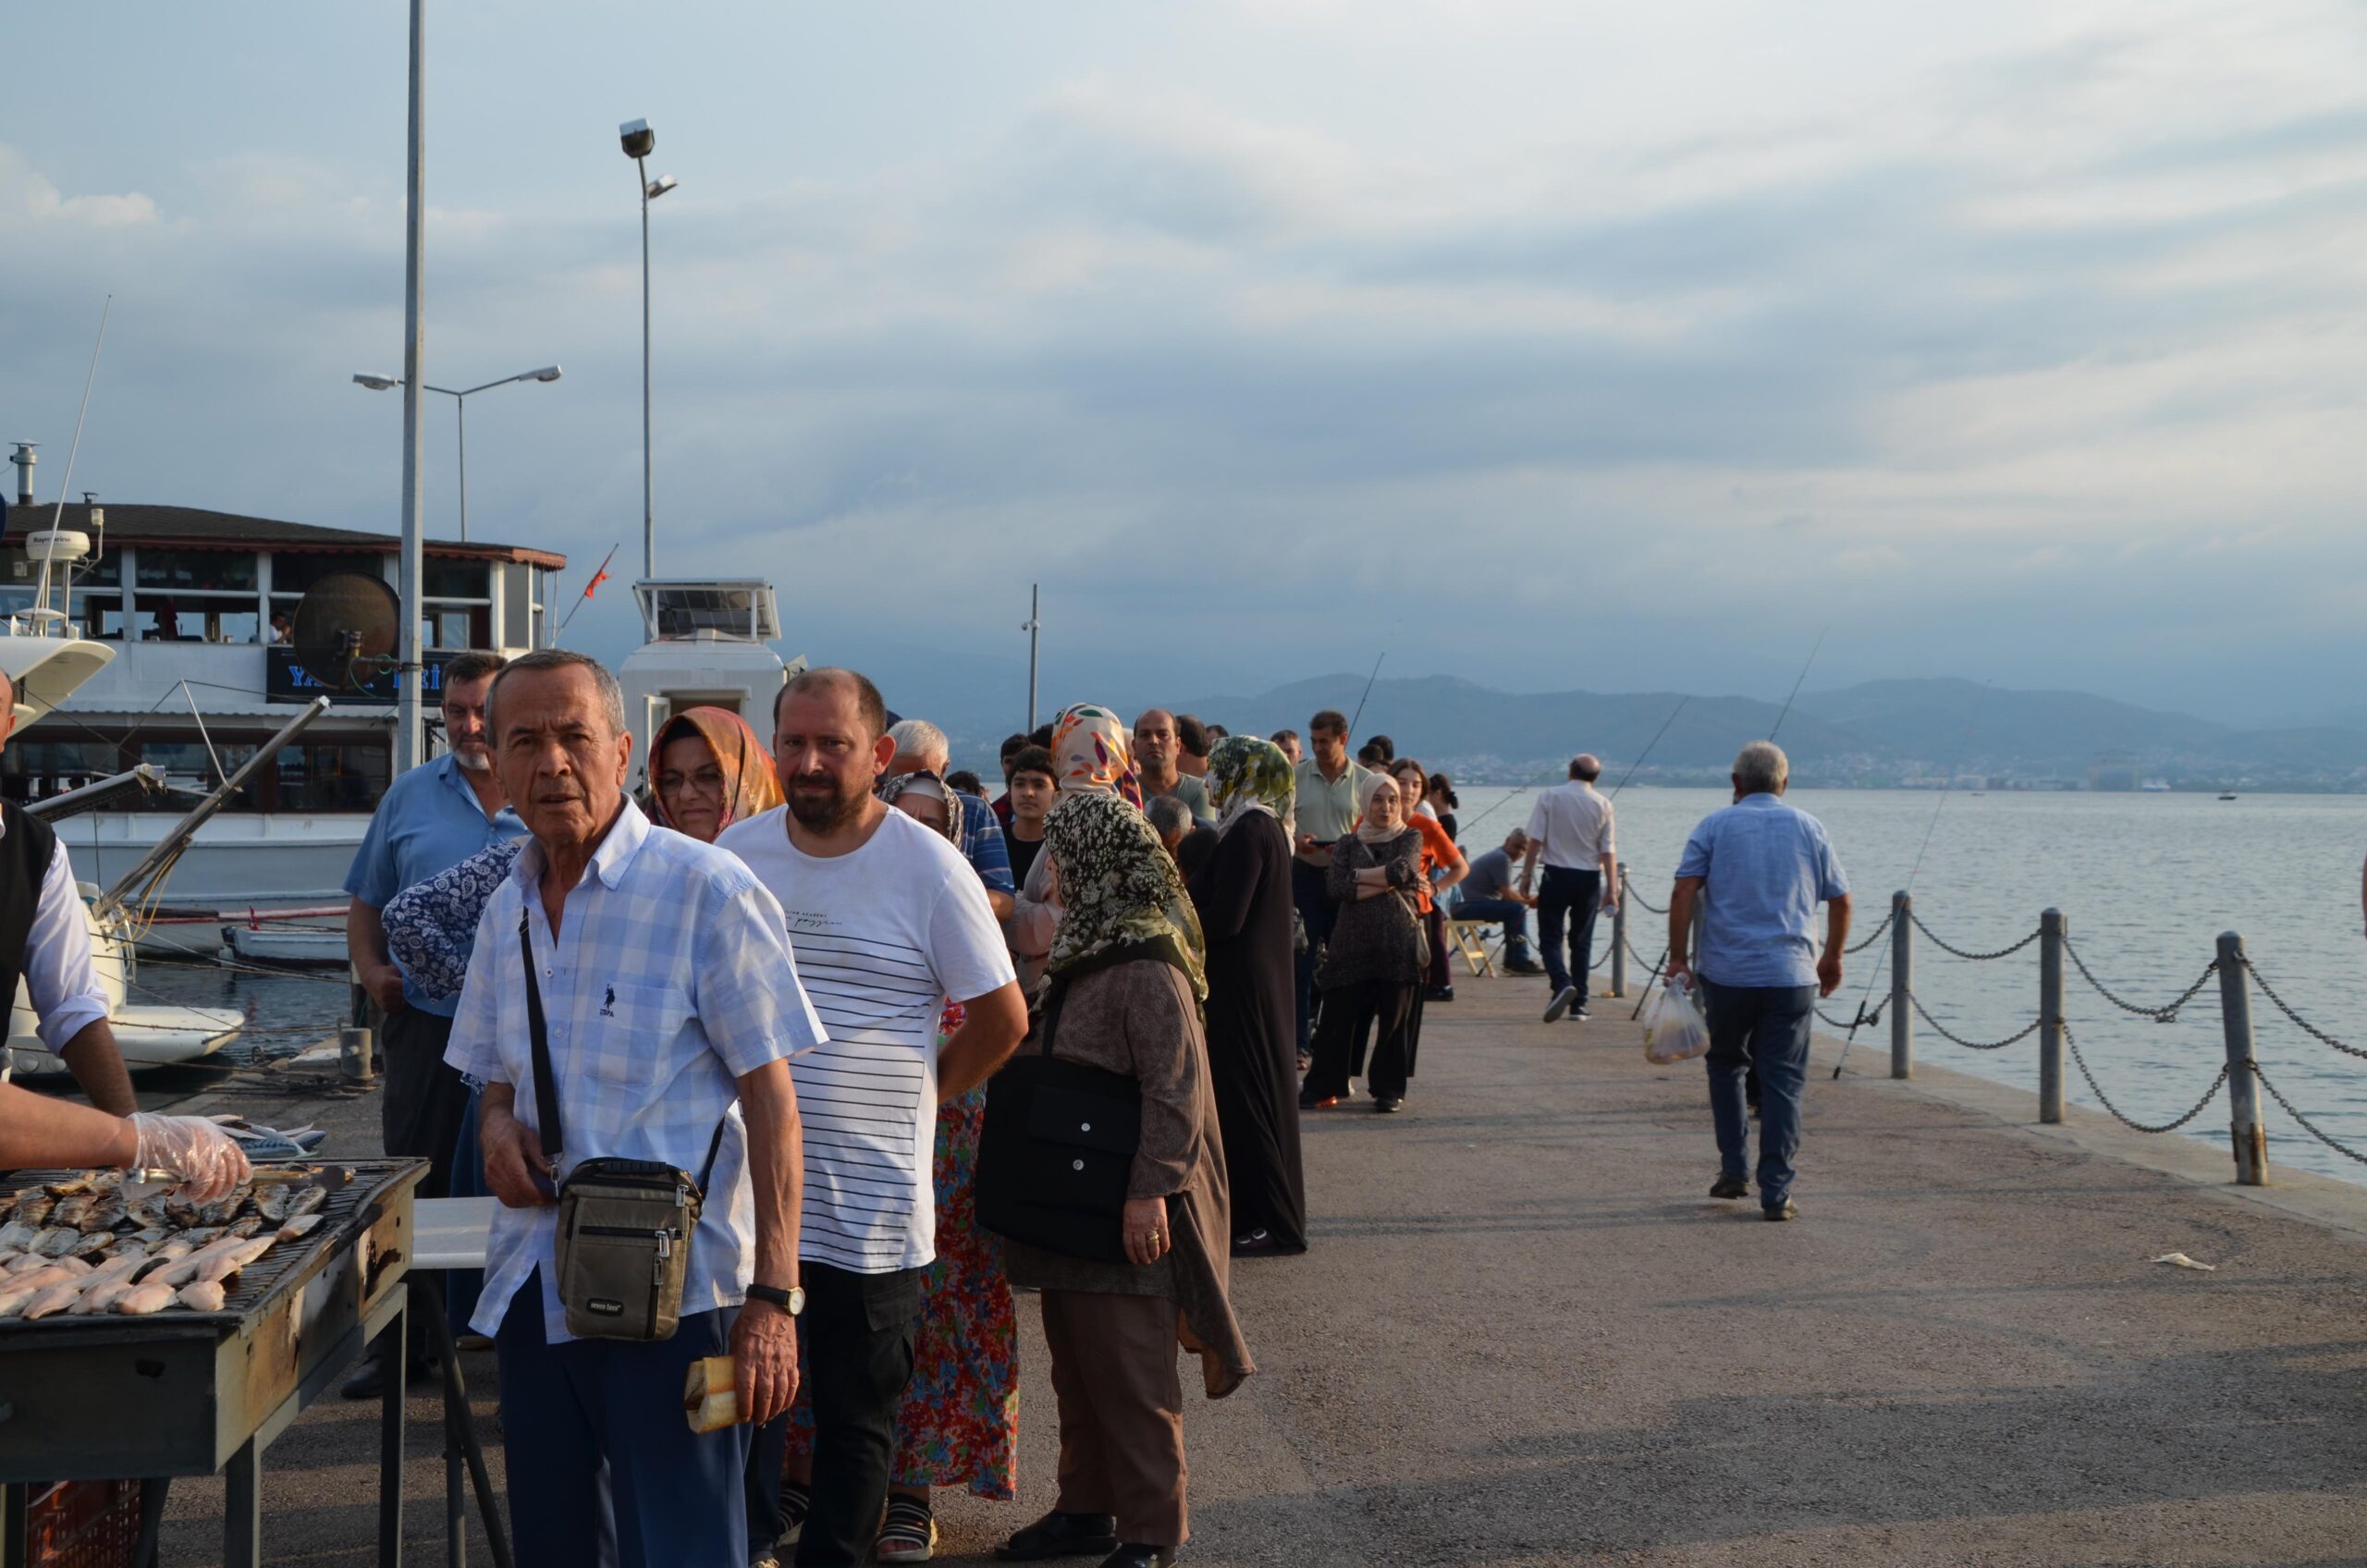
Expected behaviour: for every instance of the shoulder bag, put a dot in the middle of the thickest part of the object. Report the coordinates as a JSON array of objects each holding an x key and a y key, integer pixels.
[
  {"x": 624, "y": 1225},
  {"x": 1057, "y": 1149}
]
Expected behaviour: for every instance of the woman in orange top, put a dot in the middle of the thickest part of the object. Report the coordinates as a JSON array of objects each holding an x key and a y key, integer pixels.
[{"x": 1442, "y": 867}]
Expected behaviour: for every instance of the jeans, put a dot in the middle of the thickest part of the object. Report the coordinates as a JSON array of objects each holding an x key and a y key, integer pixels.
[
  {"x": 1511, "y": 916},
  {"x": 1764, "y": 1027},
  {"x": 857, "y": 1356},
  {"x": 593, "y": 1433},
  {"x": 1317, "y": 910},
  {"x": 1573, "y": 894}
]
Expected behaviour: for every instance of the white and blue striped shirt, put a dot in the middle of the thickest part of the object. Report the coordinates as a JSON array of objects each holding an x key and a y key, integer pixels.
[{"x": 671, "y": 978}]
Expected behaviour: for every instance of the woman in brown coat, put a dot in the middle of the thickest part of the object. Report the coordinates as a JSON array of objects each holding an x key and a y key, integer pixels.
[{"x": 1127, "y": 986}]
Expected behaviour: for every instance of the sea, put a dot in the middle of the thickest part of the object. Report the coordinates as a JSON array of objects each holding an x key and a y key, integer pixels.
[{"x": 2146, "y": 883}]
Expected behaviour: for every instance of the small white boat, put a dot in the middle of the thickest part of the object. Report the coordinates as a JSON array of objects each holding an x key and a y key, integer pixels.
[{"x": 308, "y": 947}]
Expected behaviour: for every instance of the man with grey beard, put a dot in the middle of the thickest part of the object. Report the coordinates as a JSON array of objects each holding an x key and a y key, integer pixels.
[{"x": 430, "y": 820}]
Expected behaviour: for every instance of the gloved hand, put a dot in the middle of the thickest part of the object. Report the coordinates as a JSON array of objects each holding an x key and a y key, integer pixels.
[{"x": 208, "y": 1160}]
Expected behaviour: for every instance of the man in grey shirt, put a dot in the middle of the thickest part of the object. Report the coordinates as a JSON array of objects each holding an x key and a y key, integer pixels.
[
  {"x": 1489, "y": 892},
  {"x": 1157, "y": 747}
]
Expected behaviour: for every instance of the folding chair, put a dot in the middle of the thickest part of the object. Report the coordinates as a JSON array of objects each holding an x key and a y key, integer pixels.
[{"x": 1469, "y": 938}]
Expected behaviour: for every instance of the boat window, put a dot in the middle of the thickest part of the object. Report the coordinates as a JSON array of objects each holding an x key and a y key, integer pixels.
[
  {"x": 459, "y": 626},
  {"x": 331, "y": 776},
  {"x": 294, "y": 571},
  {"x": 449, "y": 579},
  {"x": 190, "y": 617},
  {"x": 35, "y": 769},
  {"x": 219, "y": 572}
]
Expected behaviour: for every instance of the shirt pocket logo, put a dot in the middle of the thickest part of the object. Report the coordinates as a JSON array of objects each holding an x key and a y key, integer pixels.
[
  {"x": 609, "y": 1004},
  {"x": 633, "y": 1032}
]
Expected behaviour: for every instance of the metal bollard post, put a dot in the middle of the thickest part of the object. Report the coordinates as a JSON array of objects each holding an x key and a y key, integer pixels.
[
  {"x": 353, "y": 1055},
  {"x": 1619, "y": 937},
  {"x": 2050, "y": 1015},
  {"x": 1902, "y": 986},
  {"x": 2249, "y": 1134}
]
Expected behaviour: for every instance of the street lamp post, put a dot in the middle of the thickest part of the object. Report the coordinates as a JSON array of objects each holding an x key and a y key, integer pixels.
[
  {"x": 639, "y": 142},
  {"x": 460, "y": 405}
]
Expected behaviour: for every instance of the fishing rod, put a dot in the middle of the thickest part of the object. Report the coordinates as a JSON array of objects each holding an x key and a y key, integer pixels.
[
  {"x": 1649, "y": 744},
  {"x": 1786, "y": 712},
  {"x": 1883, "y": 953},
  {"x": 66, "y": 487},
  {"x": 1361, "y": 701}
]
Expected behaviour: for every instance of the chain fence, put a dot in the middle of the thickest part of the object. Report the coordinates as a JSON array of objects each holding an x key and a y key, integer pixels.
[
  {"x": 2123, "y": 1117},
  {"x": 2298, "y": 1021},
  {"x": 2306, "y": 1125},
  {"x": 1876, "y": 933},
  {"x": 2166, "y": 1013},
  {"x": 1946, "y": 1034},
  {"x": 1970, "y": 957},
  {"x": 1643, "y": 903}
]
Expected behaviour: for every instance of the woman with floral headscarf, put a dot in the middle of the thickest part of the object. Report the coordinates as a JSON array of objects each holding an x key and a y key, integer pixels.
[
  {"x": 1242, "y": 894},
  {"x": 1093, "y": 754},
  {"x": 708, "y": 770},
  {"x": 958, "y": 1423},
  {"x": 1126, "y": 991}
]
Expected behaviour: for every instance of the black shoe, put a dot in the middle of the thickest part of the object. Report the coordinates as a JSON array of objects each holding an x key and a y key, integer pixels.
[
  {"x": 1061, "y": 1534},
  {"x": 1522, "y": 966},
  {"x": 369, "y": 1380},
  {"x": 1386, "y": 1105},
  {"x": 1730, "y": 1187},
  {"x": 1787, "y": 1209},
  {"x": 1578, "y": 1014},
  {"x": 1438, "y": 994},
  {"x": 1563, "y": 1000},
  {"x": 1140, "y": 1557}
]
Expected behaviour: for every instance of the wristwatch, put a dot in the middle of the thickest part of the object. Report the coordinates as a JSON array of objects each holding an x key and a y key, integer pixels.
[{"x": 791, "y": 1301}]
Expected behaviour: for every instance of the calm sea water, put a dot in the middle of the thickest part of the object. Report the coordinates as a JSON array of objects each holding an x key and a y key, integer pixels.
[{"x": 2146, "y": 883}]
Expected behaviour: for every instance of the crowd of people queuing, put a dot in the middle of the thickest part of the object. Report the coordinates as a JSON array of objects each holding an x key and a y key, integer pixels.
[{"x": 797, "y": 970}]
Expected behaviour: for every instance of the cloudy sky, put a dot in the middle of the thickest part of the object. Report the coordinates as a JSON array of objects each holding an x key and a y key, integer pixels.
[{"x": 1549, "y": 344}]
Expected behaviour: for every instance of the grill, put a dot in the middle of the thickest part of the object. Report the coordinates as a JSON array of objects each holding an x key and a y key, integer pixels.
[{"x": 185, "y": 1394}]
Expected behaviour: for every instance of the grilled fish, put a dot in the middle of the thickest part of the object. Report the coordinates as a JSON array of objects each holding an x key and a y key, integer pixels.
[
  {"x": 83, "y": 1181},
  {"x": 55, "y": 1241},
  {"x": 201, "y": 1295},
  {"x": 26, "y": 1262},
  {"x": 97, "y": 1298},
  {"x": 246, "y": 1227},
  {"x": 302, "y": 1225},
  {"x": 14, "y": 1297},
  {"x": 307, "y": 1200},
  {"x": 143, "y": 1299},
  {"x": 72, "y": 1211},
  {"x": 90, "y": 1244},
  {"x": 33, "y": 1206},
  {"x": 17, "y": 1235},
  {"x": 107, "y": 1211},
  {"x": 57, "y": 1298}
]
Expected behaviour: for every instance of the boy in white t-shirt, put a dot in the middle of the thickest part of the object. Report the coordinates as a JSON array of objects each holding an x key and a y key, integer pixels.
[{"x": 886, "y": 920}]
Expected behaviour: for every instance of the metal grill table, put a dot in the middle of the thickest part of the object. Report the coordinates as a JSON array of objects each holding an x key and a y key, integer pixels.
[{"x": 196, "y": 1393}]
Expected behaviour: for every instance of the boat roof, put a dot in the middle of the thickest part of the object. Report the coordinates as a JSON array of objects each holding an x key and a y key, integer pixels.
[{"x": 195, "y": 528}]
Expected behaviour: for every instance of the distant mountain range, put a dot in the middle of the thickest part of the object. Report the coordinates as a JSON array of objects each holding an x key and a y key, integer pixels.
[{"x": 1883, "y": 732}]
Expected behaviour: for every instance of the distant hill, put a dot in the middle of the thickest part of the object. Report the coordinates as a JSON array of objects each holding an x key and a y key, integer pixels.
[{"x": 1878, "y": 732}]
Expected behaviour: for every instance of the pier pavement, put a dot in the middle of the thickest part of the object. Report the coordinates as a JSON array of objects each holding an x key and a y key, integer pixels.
[{"x": 1525, "y": 1336}]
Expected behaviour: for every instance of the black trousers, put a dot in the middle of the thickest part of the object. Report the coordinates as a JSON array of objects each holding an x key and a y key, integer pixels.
[
  {"x": 1315, "y": 912},
  {"x": 856, "y": 1341},
  {"x": 1348, "y": 1010},
  {"x": 423, "y": 1102},
  {"x": 1573, "y": 896}
]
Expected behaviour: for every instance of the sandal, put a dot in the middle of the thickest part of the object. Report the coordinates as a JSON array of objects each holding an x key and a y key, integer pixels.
[
  {"x": 910, "y": 1534},
  {"x": 796, "y": 1503}
]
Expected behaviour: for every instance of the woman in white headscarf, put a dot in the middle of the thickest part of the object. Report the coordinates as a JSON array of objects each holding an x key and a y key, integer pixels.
[{"x": 1376, "y": 956}]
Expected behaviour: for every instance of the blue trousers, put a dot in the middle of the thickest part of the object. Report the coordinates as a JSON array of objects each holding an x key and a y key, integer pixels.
[
  {"x": 594, "y": 1433},
  {"x": 1317, "y": 910},
  {"x": 1766, "y": 1027},
  {"x": 1511, "y": 916},
  {"x": 1573, "y": 896}
]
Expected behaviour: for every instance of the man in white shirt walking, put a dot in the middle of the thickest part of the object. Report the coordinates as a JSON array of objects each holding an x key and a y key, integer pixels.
[
  {"x": 1569, "y": 828},
  {"x": 888, "y": 921}
]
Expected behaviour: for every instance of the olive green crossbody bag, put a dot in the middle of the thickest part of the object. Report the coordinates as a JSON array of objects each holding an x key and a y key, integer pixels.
[{"x": 624, "y": 1225}]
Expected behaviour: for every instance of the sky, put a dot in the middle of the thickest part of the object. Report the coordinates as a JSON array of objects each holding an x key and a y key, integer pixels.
[{"x": 1553, "y": 345}]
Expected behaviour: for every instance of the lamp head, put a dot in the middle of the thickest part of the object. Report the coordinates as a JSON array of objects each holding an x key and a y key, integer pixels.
[
  {"x": 638, "y": 139},
  {"x": 661, "y": 185},
  {"x": 548, "y": 372},
  {"x": 378, "y": 382}
]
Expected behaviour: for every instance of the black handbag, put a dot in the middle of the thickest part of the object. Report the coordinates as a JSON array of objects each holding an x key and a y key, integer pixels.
[{"x": 1057, "y": 1150}]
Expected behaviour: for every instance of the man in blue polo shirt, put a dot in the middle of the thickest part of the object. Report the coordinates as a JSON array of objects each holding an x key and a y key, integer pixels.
[
  {"x": 432, "y": 818},
  {"x": 1759, "y": 869}
]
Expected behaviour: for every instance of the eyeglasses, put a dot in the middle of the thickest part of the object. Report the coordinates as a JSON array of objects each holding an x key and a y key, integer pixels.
[{"x": 705, "y": 781}]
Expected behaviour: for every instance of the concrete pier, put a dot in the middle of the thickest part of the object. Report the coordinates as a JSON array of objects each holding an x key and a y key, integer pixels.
[{"x": 1525, "y": 1336}]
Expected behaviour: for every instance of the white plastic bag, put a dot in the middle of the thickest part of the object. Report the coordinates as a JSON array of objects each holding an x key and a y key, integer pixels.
[{"x": 1675, "y": 1030}]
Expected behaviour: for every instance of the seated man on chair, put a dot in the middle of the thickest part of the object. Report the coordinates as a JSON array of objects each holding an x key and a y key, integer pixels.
[{"x": 1490, "y": 893}]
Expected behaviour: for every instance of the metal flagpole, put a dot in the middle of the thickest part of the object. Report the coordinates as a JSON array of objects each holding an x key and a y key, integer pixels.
[{"x": 1035, "y": 625}]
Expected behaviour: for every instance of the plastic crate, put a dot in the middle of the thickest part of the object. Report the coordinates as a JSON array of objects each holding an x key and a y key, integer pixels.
[{"x": 81, "y": 1523}]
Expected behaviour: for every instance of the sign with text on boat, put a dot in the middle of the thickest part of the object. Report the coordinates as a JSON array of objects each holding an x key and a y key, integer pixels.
[{"x": 285, "y": 680}]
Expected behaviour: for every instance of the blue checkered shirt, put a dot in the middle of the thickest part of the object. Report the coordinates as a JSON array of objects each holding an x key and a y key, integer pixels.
[{"x": 672, "y": 978}]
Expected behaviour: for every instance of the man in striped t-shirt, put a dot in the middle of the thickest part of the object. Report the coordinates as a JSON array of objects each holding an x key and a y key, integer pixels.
[{"x": 887, "y": 921}]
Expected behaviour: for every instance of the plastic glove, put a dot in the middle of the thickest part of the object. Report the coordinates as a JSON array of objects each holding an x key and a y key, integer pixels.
[{"x": 208, "y": 1160}]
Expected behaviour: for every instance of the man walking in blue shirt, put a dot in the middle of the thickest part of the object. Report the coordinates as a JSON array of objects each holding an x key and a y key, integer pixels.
[{"x": 1758, "y": 870}]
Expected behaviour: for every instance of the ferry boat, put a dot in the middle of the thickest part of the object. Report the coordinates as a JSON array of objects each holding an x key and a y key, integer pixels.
[{"x": 193, "y": 608}]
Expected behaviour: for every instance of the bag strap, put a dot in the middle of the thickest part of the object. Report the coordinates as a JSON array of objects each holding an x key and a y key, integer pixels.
[
  {"x": 714, "y": 1146},
  {"x": 545, "y": 1088},
  {"x": 1054, "y": 996}
]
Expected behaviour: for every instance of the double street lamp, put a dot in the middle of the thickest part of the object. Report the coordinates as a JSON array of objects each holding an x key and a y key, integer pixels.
[
  {"x": 461, "y": 403},
  {"x": 639, "y": 142}
]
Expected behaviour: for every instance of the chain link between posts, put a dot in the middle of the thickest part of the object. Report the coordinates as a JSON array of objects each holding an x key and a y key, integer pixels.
[
  {"x": 1959, "y": 952},
  {"x": 1642, "y": 902},
  {"x": 1876, "y": 933},
  {"x": 2308, "y": 1126},
  {"x": 2300, "y": 1022},
  {"x": 2166, "y": 1013},
  {"x": 2123, "y": 1117},
  {"x": 1944, "y": 1032}
]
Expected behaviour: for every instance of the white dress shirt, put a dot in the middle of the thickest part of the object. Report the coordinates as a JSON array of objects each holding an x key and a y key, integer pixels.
[
  {"x": 60, "y": 980},
  {"x": 669, "y": 979},
  {"x": 1573, "y": 821}
]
